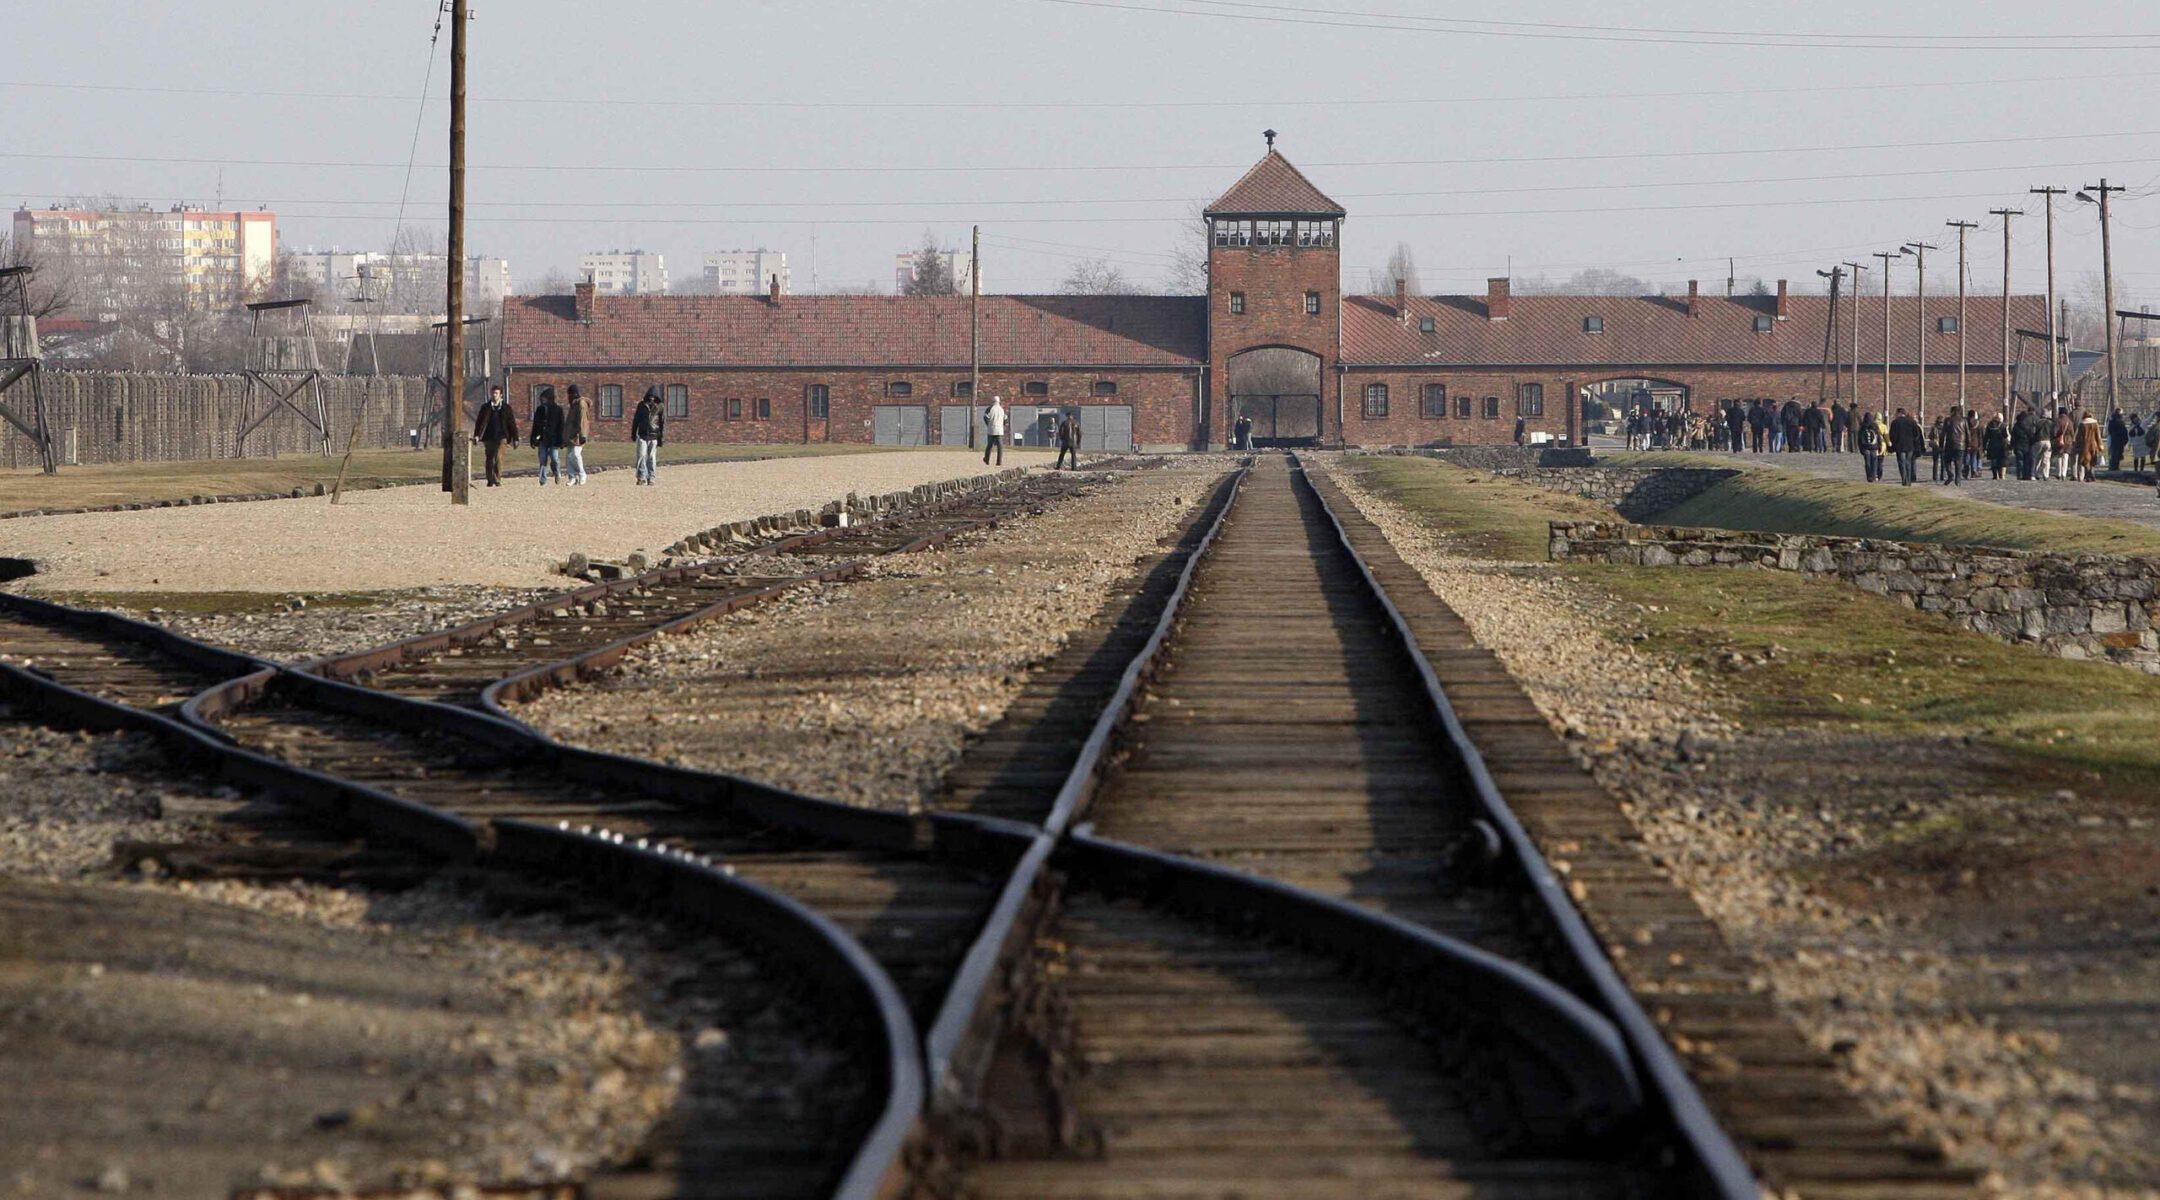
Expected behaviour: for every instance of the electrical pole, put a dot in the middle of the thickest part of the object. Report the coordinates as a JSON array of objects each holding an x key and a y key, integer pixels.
[
  {"x": 2007, "y": 382},
  {"x": 2107, "y": 281},
  {"x": 974, "y": 334},
  {"x": 2054, "y": 338},
  {"x": 1856, "y": 269},
  {"x": 457, "y": 475},
  {"x": 1886, "y": 257},
  {"x": 1829, "y": 338},
  {"x": 1961, "y": 227},
  {"x": 1919, "y": 252}
]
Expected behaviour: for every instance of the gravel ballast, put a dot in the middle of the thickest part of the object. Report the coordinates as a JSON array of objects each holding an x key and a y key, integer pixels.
[
  {"x": 1738, "y": 815},
  {"x": 396, "y": 538},
  {"x": 864, "y": 690}
]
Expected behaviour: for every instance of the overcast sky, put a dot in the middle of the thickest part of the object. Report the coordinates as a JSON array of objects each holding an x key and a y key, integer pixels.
[{"x": 1076, "y": 128}]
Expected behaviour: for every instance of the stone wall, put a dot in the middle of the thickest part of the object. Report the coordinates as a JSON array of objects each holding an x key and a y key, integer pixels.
[
  {"x": 1495, "y": 458},
  {"x": 2097, "y": 606},
  {"x": 1636, "y": 493}
]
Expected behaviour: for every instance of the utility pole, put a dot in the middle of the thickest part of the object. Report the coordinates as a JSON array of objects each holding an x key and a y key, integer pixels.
[
  {"x": 1856, "y": 269},
  {"x": 457, "y": 475},
  {"x": 2007, "y": 382},
  {"x": 974, "y": 334},
  {"x": 1829, "y": 338},
  {"x": 1886, "y": 256},
  {"x": 1919, "y": 252},
  {"x": 2054, "y": 338},
  {"x": 1961, "y": 227},
  {"x": 2107, "y": 280}
]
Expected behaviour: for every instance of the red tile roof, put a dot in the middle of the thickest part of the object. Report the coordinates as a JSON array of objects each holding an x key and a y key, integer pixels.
[
  {"x": 868, "y": 331},
  {"x": 1644, "y": 330},
  {"x": 1274, "y": 188}
]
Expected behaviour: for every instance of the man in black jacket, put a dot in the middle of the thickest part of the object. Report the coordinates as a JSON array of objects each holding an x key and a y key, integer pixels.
[
  {"x": 495, "y": 425},
  {"x": 547, "y": 434},
  {"x": 1907, "y": 441},
  {"x": 648, "y": 428},
  {"x": 1736, "y": 424}
]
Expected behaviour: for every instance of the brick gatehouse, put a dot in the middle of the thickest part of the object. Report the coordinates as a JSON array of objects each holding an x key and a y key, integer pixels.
[{"x": 1163, "y": 373}]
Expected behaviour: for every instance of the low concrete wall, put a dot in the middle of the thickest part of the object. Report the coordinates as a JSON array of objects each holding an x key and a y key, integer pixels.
[
  {"x": 1493, "y": 458},
  {"x": 2097, "y": 606},
  {"x": 1634, "y": 492}
]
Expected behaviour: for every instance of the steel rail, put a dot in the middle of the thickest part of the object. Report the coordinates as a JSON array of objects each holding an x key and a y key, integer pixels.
[
  {"x": 808, "y": 943},
  {"x": 1722, "y": 1169}
]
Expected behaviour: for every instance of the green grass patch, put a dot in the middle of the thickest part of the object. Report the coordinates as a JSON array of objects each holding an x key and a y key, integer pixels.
[
  {"x": 144, "y": 482},
  {"x": 1841, "y": 656}
]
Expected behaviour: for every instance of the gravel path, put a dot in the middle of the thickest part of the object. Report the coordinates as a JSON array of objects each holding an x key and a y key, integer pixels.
[
  {"x": 1740, "y": 816},
  {"x": 863, "y": 691},
  {"x": 394, "y": 538},
  {"x": 185, "y": 1038}
]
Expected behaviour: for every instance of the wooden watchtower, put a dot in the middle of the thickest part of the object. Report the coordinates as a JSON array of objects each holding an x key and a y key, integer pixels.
[
  {"x": 282, "y": 364},
  {"x": 479, "y": 373},
  {"x": 21, "y": 361}
]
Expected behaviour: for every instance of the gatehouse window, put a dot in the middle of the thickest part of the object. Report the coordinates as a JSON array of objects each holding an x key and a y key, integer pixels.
[
  {"x": 1530, "y": 399},
  {"x": 1375, "y": 399},
  {"x": 1106, "y": 387},
  {"x": 1312, "y": 304},
  {"x": 1271, "y": 233},
  {"x": 1233, "y": 233},
  {"x": 899, "y": 387},
  {"x": 1323, "y": 232},
  {"x": 1237, "y": 302},
  {"x": 678, "y": 400},
  {"x": 1036, "y": 387},
  {"x": 611, "y": 401},
  {"x": 1492, "y": 407},
  {"x": 1462, "y": 408},
  {"x": 1435, "y": 400},
  {"x": 820, "y": 401}
]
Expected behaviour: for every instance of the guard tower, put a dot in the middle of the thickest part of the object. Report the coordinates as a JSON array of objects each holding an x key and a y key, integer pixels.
[
  {"x": 1275, "y": 284},
  {"x": 21, "y": 364},
  {"x": 479, "y": 374},
  {"x": 282, "y": 364}
]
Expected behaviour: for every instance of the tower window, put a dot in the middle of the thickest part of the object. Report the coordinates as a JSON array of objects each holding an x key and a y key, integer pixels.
[
  {"x": 1237, "y": 302},
  {"x": 1435, "y": 400},
  {"x": 1233, "y": 233},
  {"x": 1312, "y": 304},
  {"x": 1375, "y": 399},
  {"x": 1271, "y": 233}
]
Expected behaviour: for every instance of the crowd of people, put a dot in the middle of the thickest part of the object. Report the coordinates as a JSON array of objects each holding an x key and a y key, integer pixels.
[
  {"x": 2068, "y": 442},
  {"x": 559, "y": 433}
]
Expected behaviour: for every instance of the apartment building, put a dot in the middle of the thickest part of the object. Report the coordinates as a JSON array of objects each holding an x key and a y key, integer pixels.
[
  {"x": 745, "y": 272},
  {"x": 124, "y": 256},
  {"x": 625, "y": 272}
]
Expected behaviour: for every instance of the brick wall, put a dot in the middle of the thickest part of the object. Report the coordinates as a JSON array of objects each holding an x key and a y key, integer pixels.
[
  {"x": 1164, "y": 402},
  {"x": 1273, "y": 281},
  {"x": 2096, "y": 606}
]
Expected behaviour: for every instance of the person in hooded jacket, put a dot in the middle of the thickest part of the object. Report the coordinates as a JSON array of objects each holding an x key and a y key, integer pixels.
[
  {"x": 2066, "y": 441},
  {"x": 1950, "y": 447},
  {"x": 1068, "y": 440},
  {"x": 1995, "y": 444},
  {"x": 495, "y": 425},
  {"x": 547, "y": 434},
  {"x": 648, "y": 428},
  {"x": 577, "y": 430},
  {"x": 2091, "y": 446},
  {"x": 2118, "y": 439},
  {"x": 2023, "y": 433},
  {"x": 1871, "y": 439},
  {"x": 1907, "y": 441}
]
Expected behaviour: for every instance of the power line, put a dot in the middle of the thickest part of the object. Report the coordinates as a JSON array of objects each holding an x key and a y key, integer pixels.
[
  {"x": 583, "y": 101},
  {"x": 1068, "y": 168},
  {"x": 1398, "y": 24}
]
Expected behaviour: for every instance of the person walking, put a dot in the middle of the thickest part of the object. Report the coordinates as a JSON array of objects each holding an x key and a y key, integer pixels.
[
  {"x": 1907, "y": 441},
  {"x": 495, "y": 425},
  {"x": 2066, "y": 440},
  {"x": 994, "y": 426},
  {"x": 1241, "y": 433},
  {"x": 1522, "y": 429},
  {"x": 1840, "y": 427},
  {"x": 1068, "y": 441},
  {"x": 1995, "y": 443},
  {"x": 2091, "y": 447},
  {"x": 577, "y": 430},
  {"x": 648, "y": 429},
  {"x": 2118, "y": 439},
  {"x": 1953, "y": 448},
  {"x": 547, "y": 434},
  {"x": 1870, "y": 439},
  {"x": 2137, "y": 443},
  {"x": 2024, "y": 432},
  {"x": 2043, "y": 445},
  {"x": 1736, "y": 425}
]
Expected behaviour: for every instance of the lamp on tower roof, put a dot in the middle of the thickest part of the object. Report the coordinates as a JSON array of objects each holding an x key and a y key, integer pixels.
[{"x": 1269, "y": 134}]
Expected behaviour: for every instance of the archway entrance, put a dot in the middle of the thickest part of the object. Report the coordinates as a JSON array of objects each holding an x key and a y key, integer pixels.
[{"x": 1278, "y": 390}]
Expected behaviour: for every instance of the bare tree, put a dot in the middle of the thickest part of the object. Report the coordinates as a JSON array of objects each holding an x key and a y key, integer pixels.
[
  {"x": 1401, "y": 268},
  {"x": 1188, "y": 273},
  {"x": 556, "y": 282},
  {"x": 933, "y": 274},
  {"x": 1592, "y": 281},
  {"x": 1096, "y": 277},
  {"x": 51, "y": 290}
]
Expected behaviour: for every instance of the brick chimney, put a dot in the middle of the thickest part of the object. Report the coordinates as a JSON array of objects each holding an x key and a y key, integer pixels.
[
  {"x": 772, "y": 296},
  {"x": 1693, "y": 295},
  {"x": 585, "y": 300},
  {"x": 1498, "y": 305},
  {"x": 1402, "y": 299},
  {"x": 1781, "y": 309}
]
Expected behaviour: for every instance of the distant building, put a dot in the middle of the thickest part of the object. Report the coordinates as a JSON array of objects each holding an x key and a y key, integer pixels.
[
  {"x": 625, "y": 272},
  {"x": 400, "y": 283},
  {"x": 123, "y": 257},
  {"x": 957, "y": 263},
  {"x": 745, "y": 272}
]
